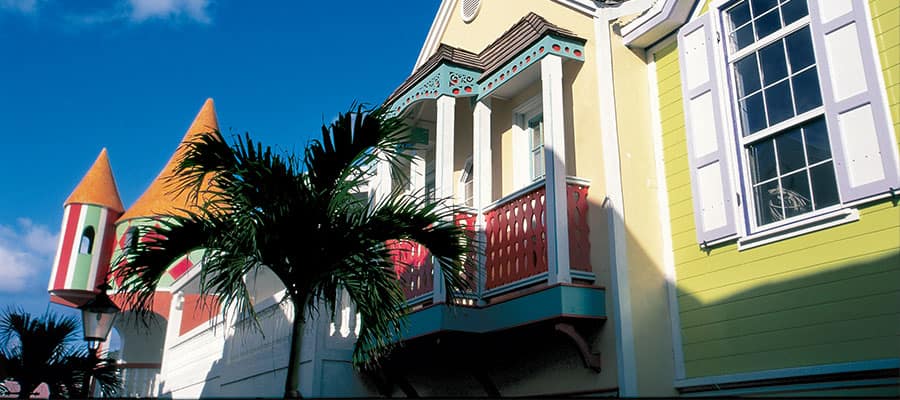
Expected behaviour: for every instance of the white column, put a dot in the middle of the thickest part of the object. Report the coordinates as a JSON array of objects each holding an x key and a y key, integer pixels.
[
  {"x": 482, "y": 175},
  {"x": 417, "y": 172},
  {"x": 555, "y": 169},
  {"x": 381, "y": 185},
  {"x": 443, "y": 170}
]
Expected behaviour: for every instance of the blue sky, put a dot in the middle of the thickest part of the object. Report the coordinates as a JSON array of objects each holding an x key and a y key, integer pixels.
[{"x": 130, "y": 75}]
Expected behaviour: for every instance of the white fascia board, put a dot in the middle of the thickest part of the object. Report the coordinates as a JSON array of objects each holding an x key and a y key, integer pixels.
[
  {"x": 445, "y": 12},
  {"x": 433, "y": 40},
  {"x": 663, "y": 17}
]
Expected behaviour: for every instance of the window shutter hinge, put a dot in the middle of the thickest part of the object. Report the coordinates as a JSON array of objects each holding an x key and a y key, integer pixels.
[
  {"x": 738, "y": 198},
  {"x": 718, "y": 39}
]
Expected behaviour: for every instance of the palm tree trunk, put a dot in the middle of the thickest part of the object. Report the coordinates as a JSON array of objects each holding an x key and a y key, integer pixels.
[
  {"x": 292, "y": 384},
  {"x": 25, "y": 389}
]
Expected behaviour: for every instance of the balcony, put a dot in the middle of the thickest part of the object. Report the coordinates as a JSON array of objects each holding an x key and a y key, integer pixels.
[{"x": 512, "y": 285}]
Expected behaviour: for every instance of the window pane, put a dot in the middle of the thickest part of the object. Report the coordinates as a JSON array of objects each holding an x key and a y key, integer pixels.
[
  {"x": 761, "y": 6},
  {"x": 823, "y": 185},
  {"x": 800, "y": 50},
  {"x": 790, "y": 151},
  {"x": 778, "y": 103},
  {"x": 795, "y": 194},
  {"x": 767, "y": 24},
  {"x": 753, "y": 115},
  {"x": 817, "y": 148},
  {"x": 806, "y": 90},
  {"x": 793, "y": 10},
  {"x": 537, "y": 164},
  {"x": 762, "y": 161},
  {"x": 774, "y": 66},
  {"x": 747, "y": 75},
  {"x": 768, "y": 206},
  {"x": 742, "y": 37},
  {"x": 537, "y": 139},
  {"x": 738, "y": 15}
]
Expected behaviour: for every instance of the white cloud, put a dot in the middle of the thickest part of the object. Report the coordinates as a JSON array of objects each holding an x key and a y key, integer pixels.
[
  {"x": 26, "y": 252},
  {"x": 134, "y": 11},
  {"x": 146, "y": 9},
  {"x": 22, "y": 6}
]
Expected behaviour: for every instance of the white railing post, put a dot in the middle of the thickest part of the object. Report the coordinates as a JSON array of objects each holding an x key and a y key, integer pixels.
[
  {"x": 483, "y": 175},
  {"x": 555, "y": 168},
  {"x": 443, "y": 171}
]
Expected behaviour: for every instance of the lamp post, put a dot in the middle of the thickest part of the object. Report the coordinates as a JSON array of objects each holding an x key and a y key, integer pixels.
[{"x": 97, "y": 317}]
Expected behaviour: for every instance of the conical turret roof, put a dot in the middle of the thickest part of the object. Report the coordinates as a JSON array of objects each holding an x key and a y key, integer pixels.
[
  {"x": 160, "y": 198},
  {"x": 98, "y": 186}
]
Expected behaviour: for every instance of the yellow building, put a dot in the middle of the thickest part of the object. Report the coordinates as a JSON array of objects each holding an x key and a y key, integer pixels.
[{"x": 673, "y": 197}]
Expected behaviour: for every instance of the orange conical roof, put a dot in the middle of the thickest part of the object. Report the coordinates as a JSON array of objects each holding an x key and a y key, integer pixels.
[
  {"x": 98, "y": 186},
  {"x": 160, "y": 198}
]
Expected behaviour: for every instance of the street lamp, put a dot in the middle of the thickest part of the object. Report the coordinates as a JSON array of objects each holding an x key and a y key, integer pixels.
[{"x": 97, "y": 317}]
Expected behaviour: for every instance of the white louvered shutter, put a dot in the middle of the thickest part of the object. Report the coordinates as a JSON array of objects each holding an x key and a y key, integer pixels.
[
  {"x": 711, "y": 181},
  {"x": 863, "y": 145}
]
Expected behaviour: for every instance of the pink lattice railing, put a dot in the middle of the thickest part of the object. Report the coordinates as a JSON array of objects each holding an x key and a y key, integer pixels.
[
  {"x": 414, "y": 265},
  {"x": 516, "y": 236},
  {"x": 579, "y": 230},
  {"x": 467, "y": 221}
]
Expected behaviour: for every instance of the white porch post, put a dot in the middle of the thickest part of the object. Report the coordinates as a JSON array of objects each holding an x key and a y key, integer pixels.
[
  {"x": 555, "y": 169},
  {"x": 417, "y": 172},
  {"x": 381, "y": 185},
  {"x": 482, "y": 175},
  {"x": 443, "y": 171}
]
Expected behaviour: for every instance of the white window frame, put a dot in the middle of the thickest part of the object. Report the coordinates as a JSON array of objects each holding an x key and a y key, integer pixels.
[
  {"x": 467, "y": 176},
  {"x": 750, "y": 234},
  {"x": 526, "y": 111}
]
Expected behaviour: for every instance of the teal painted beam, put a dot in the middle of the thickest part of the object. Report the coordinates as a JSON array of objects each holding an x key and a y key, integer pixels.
[
  {"x": 563, "y": 47},
  {"x": 553, "y": 302},
  {"x": 446, "y": 79}
]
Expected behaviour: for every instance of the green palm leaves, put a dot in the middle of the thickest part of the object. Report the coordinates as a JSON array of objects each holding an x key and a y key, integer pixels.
[
  {"x": 305, "y": 219},
  {"x": 46, "y": 349}
]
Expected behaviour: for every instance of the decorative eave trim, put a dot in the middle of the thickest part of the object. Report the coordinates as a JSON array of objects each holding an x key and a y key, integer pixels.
[
  {"x": 550, "y": 44},
  {"x": 663, "y": 17},
  {"x": 445, "y": 12},
  {"x": 447, "y": 79}
]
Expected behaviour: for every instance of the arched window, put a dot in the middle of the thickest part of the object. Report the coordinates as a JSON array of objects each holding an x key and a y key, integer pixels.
[{"x": 87, "y": 240}]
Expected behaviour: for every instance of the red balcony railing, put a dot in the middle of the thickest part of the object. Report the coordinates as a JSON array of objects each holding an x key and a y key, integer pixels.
[
  {"x": 414, "y": 267},
  {"x": 515, "y": 235},
  {"x": 579, "y": 230}
]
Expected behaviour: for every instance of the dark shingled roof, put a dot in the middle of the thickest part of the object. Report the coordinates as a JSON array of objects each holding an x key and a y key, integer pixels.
[{"x": 511, "y": 43}]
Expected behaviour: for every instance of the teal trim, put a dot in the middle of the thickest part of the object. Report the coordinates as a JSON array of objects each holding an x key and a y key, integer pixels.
[
  {"x": 582, "y": 275},
  {"x": 446, "y": 79},
  {"x": 805, "y": 389},
  {"x": 566, "y": 48},
  {"x": 553, "y": 302}
]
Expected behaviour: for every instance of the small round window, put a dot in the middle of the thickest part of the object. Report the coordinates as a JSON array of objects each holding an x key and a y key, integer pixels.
[{"x": 468, "y": 9}]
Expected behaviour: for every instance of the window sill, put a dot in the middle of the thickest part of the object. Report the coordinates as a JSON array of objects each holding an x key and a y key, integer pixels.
[{"x": 798, "y": 228}]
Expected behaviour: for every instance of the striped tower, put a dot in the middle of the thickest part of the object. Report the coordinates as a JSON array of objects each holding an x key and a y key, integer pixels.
[{"x": 87, "y": 237}]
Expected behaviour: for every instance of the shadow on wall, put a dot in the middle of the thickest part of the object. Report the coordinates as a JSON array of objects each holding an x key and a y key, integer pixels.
[{"x": 774, "y": 312}]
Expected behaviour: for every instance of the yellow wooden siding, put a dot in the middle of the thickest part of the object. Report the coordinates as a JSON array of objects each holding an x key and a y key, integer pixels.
[{"x": 825, "y": 297}]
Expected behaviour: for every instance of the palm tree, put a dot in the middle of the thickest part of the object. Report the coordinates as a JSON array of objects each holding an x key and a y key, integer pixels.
[
  {"x": 45, "y": 350},
  {"x": 305, "y": 220}
]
